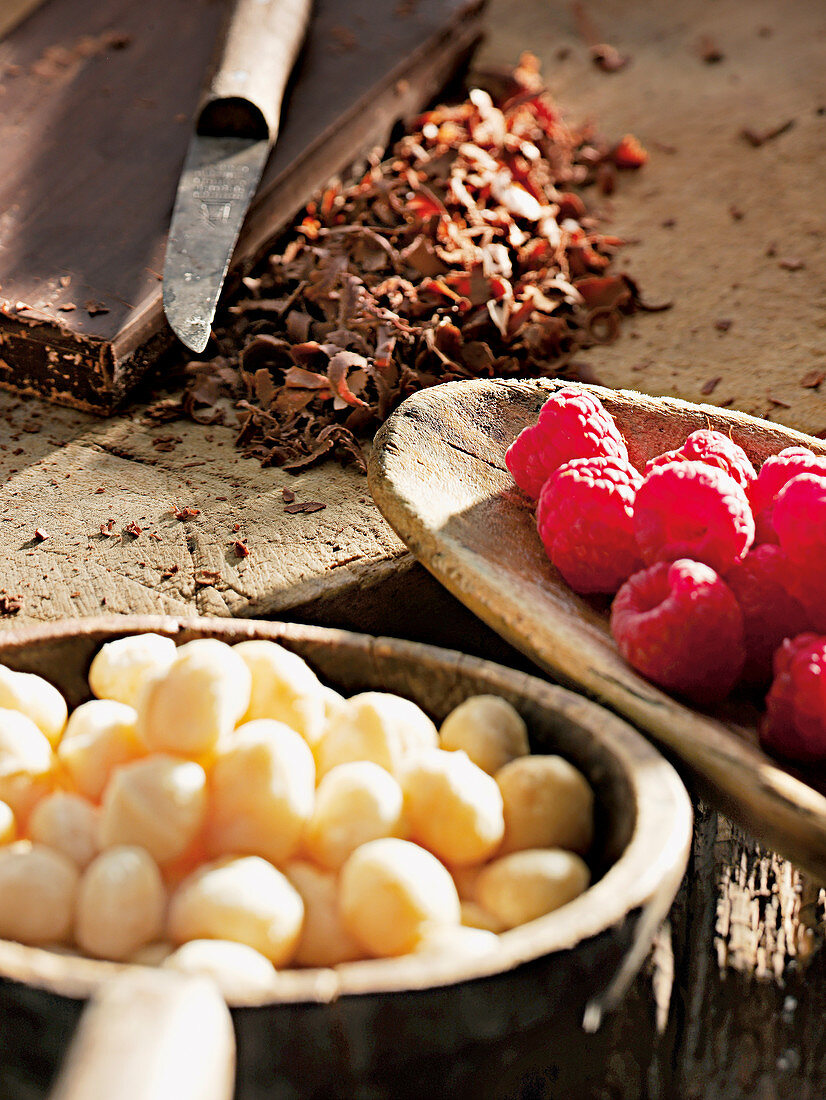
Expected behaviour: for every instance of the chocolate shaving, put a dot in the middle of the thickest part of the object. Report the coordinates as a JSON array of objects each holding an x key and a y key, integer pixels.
[
  {"x": 133, "y": 529},
  {"x": 205, "y": 578},
  {"x": 288, "y": 496},
  {"x": 169, "y": 572},
  {"x": 711, "y": 385},
  {"x": 10, "y": 605},
  {"x": 303, "y": 506},
  {"x": 185, "y": 513},
  {"x": 812, "y": 380},
  {"x": 756, "y": 138},
  {"x": 469, "y": 252},
  {"x": 240, "y": 548},
  {"x": 40, "y": 535}
]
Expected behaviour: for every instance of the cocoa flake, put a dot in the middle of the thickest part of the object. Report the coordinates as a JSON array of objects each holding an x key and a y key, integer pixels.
[
  {"x": 133, "y": 529},
  {"x": 40, "y": 535},
  {"x": 240, "y": 548},
  {"x": 288, "y": 496},
  {"x": 304, "y": 506},
  {"x": 185, "y": 513},
  {"x": 711, "y": 385},
  {"x": 9, "y": 604},
  {"x": 812, "y": 379},
  {"x": 170, "y": 571}
]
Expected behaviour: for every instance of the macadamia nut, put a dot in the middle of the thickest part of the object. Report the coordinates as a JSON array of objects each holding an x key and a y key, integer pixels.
[
  {"x": 245, "y": 900},
  {"x": 456, "y": 940},
  {"x": 158, "y": 803},
  {"x": 37, "y": 894},
  {"x": 525, "y": 885},
  {"x": 488, "y": 729},
  {"x": 240, "y": 972},
  {"x": 121, "y": 669},
  {"x": 390, "y": 891},
  {"x": 284, "y": 688},
  {"x": 8, "y": 826},
  {"x": 378, "y": 727},
  {"x": 262, "y": 788},
  {"x": 26, "y": 763},
  {"x": 68, "y": 824},
  {"x": 474, "y": 916},
  {"x": 37, "y": 699},
  {"x": 453, "y": 807},
  {"x": 324, "y": 939},
  {"x": 548, "y": 804},
  {"x": 120, "y": 903},
  {"x": 100, "y": 736},
  {"x": 354, "y": 803},
  {"x": 197, "y": 701}
]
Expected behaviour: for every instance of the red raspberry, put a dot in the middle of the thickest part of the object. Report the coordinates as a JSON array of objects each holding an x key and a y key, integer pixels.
[
  {"x": 795, "y": 721},
  {"x": 691, "y": 510},
  {"x": 775, "y": 472},
  {"x": 586, "y": 522},
  {"x": 800, "y": 522},
  {"x": 679, "y": 625},
  {"x": 770, "y": 611},
  {"x": 572, "y": 424},
  {"x": 715, "y": 449}
]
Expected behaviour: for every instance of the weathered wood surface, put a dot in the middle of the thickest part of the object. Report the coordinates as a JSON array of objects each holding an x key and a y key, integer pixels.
[
  {"x": 437, "y": 471},
  {"x": 98, "y": 101},
  {"x": 454, "y": 1019}
]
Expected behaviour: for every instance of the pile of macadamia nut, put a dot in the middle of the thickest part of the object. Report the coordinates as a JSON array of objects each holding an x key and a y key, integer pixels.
[{"x": 217, "y": 808}]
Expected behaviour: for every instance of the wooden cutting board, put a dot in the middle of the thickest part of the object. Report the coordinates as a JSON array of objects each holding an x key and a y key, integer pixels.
[{"x": 97, "y": 101}]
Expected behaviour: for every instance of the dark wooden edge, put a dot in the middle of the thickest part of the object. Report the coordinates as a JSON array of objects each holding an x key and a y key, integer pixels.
[{"x": 646, "y": 875}]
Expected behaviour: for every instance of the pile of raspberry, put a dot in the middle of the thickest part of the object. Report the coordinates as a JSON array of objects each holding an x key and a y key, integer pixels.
[{"x": 718, "y": 572}]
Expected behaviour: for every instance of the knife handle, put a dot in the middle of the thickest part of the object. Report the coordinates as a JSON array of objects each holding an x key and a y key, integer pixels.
[{"x": 244, "y": 95}]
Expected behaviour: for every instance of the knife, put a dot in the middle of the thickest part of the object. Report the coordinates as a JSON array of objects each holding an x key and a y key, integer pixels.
[{"x": 236, "y": 127}]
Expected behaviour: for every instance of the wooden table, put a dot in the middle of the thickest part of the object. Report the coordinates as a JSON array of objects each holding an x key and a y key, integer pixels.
[{"x": 731, "y": 1002}]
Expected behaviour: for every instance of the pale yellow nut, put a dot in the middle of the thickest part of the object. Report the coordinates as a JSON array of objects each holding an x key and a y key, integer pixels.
[
  {"x": 158, "y": 803},
  {"x": 324, "y": 939},
  {"x": 26, "y": 764},
  {"x": 525, "y": 885},
  {"x": 121, "y": 903},
  {"x": 100, "y": 736},
  {"x": 262, "y": 788},
  {"x": 245, "y": 900},
  {"x": 121, "y": 669},
  {"x": 67, "y": 823},
  {"x": 8, "y": 826},
  {"x": 456, "y": 941},
  {"x": 152, "y": 954},
  {"x": 378, "y": 727},
  {"x": 38, "y": 887},
  {"x": 465, "y": 879},
  {"x": 334, "y": 703},
  {"x": 474, "y": 916},
  {"x": 240, "y": 972},
  {"x": 548, "y": 804},
  {"x": 488, "y": 729},
  {"x": 354, "y": 803},
  {"x": 284, "y": 688},
  {"x": 197, "y": 701},
  {"x": 389, "y": 892},
  {"x": 37, "y": 699},
  {"x": 453, "y": 807}
]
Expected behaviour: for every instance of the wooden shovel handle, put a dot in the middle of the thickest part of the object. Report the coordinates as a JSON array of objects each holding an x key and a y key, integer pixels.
[
  {"x": 257, "y": 56},
  {"x": 152, "y": 1035}
]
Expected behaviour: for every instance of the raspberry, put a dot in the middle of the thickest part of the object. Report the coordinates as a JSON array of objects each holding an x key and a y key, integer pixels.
[
  {"x": 715, "y": 449},
  {"x": 678, "y": 624},
  {"x": 795, "y": 721},
  {"x": 775, "y": 472},
  {"x": 572, "y": 424},
  {"x": 770, "y": 612},
  {"x": 800, "y": 522},
  {"x": 691, "y": 510},
  {"x": 585, "y": 521}
]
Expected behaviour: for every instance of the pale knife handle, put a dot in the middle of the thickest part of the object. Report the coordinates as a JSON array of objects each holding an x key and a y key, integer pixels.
[
  {"x": 151, "y": 1035},
  {"x": 244, "y": 95}
]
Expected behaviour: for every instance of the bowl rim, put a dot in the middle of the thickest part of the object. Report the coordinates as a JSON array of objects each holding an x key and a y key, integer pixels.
[{"x": 645, "y": 877}]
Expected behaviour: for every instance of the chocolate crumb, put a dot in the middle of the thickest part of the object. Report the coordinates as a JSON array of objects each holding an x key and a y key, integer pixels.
[
  {"x": 723, "y": 324},
  {"x": 241, "y": 548},
  {"x": 812, "y": 380},
  {"x": 288, "y": 496},
  {"x": 40, "y": 535},
  {"x": 169, "y": 572},
  {"x": 185, "y": 513},
  {"x": 791, "y": 264},
  {"x": 133, "y": 529},
  {"x": 711, "y": 385},
  {"x": 304, "y": 506}
]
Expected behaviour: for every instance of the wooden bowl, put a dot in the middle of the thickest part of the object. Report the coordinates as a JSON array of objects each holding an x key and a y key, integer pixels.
[
  {"x": 382, "y": 1027},
  {"x": 437, "y": 472}
]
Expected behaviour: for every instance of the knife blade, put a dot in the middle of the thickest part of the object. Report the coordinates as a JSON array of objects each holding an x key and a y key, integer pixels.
[{"x": 236, "y": 128}]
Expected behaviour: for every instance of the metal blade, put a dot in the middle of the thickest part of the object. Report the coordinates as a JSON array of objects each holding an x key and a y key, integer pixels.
[{"x": 219, "y": 178}]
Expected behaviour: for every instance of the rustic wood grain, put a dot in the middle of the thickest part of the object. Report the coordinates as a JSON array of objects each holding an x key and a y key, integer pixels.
[
  {"x": 467, "y": 1021},
  {"x": 94, "y": 128},
  {"x": 437, "y": 472}
]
